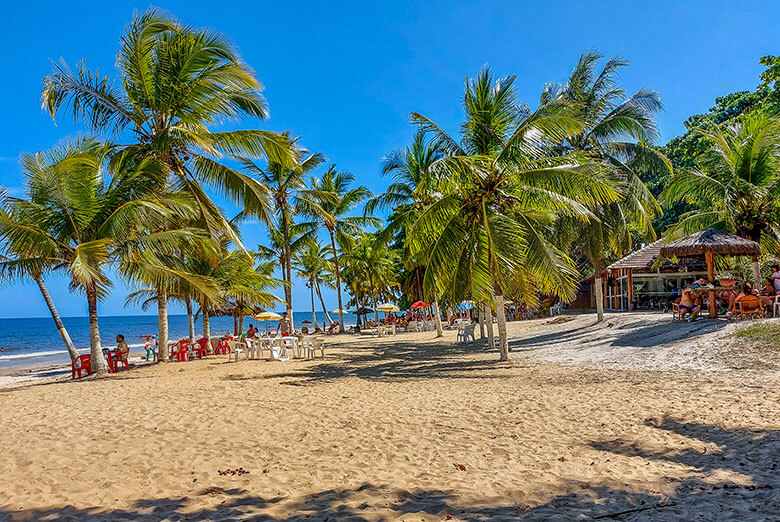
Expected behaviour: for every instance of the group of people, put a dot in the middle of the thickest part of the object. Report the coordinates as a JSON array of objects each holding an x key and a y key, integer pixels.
[{"x": 690, "y": 302}]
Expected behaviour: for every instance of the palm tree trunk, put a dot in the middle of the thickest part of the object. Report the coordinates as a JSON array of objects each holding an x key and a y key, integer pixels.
[
  {"x": 313, "y": 309},
  {"x": 74, "y": 354},
  {"x": 287, "y": 268},
  {"x": 207, "y": 328},
  {"x": 437, "y": 318},
  {"x": 322, "y": 302},
  {"x": 481, "y": 322},
  {"x": 338, "y": 279},
  {"x": 241, "y": 323},
  {"x": 190, "y": 320},
  {"x": 489, "y": 324},
  {"x": 97, "y": 360},
  {"x": 598, "y": 283},
  {"x": 503, "y": 342},
  {"x": 756, "y": 273},
  {"x": 162, "y": 326},
  {"x": 235, "y": 324}
]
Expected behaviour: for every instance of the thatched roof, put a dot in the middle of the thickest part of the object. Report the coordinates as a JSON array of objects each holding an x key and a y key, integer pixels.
[
  {"x": 231, "y": 309},
  {"x": 642, "y": 258},
  {"x": 713, "y": 241}
]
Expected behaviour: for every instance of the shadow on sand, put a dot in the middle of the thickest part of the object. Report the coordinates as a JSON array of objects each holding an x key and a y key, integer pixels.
[{"x": 747, "y": 452}]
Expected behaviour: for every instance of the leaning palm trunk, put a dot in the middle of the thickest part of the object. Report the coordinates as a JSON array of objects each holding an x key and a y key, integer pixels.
[
  {"x": 313, "y": 309},
  {"x": 324, "y": 308},
  {"x": 74, "y": 354},
  {"x": 97, "y": 361},
  {"x": 162, "y": 326},
  {"x": 190, "y": 321},
  {"x": 489, "y": 324},
  {"x": 503, "y": 343},
  {"x": 437, "y": 318},
  {"x": 338, "y": 280}
]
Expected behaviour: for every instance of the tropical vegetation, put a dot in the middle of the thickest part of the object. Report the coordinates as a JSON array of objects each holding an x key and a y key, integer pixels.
[{"x": 520, "y": 203}]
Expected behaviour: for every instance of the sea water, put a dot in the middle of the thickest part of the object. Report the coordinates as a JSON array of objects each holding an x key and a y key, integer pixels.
[{"x": 25, "y": 342}]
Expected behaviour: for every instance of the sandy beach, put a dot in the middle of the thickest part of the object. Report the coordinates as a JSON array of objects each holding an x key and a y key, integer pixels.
[{"x": 408, "y": 428}]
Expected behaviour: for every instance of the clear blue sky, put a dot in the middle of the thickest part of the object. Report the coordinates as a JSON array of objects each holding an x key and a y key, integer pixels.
[{"x": 345, "y": 75}]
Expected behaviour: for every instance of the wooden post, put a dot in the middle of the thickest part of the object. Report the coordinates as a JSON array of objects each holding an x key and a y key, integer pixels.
[
  {"x": 630, "y": 291},
  {"x": 710, "y": 259}
]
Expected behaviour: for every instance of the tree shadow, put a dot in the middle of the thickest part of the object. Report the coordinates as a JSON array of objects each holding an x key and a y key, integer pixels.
[
  {"x": 397, "y": 360},
  {"x": 751, "y": 453},
  {"x": 620, "y": 332}
]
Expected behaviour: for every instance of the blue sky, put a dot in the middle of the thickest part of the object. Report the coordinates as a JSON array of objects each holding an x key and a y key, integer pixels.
[{"x": 345, "y": 75}]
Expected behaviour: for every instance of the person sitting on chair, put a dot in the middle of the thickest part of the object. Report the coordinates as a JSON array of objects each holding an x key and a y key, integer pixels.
[
  {"x": 121, "y": 348},
  {"x": 767, "y": 293},
  {"x": 689, "y": 304},
  {"x": 251, "y": 332},
  {"x": 747, "y": 289}
]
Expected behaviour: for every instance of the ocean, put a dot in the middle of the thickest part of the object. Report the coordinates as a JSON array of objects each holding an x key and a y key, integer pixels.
[{"x": 25, "y": 342}]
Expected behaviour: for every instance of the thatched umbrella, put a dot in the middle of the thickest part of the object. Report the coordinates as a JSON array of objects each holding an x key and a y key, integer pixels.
[
  {"x": 237, "y": 311},
  {"x": 709, "y": 243}
]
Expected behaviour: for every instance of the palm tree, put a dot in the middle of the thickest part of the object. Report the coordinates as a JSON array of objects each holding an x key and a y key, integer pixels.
[
  {"x": 92, "y": 206},
  {"x": 414, "y": 188},
  {"x": 311, "y": 265},
  {"x": 174, "y": 82},
  {"x": 287, "y": 185},
  {"x": 15, "y": 264},
  {"x": 736, "y": 185},
  {"x": 617, "y": 132},
  {"x": 329, "y": 202},
  {"x": 369, "y": 269},
  {"x": 504, "y": 186}
]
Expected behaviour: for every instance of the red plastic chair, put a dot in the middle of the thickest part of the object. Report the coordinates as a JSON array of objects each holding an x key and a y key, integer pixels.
[
  {"x": 202, "y": 350},
  {"x": 82, "y": 364},
  {"x": 114, "y": 361},
  {"x": 179, "y": 351},
  {"x": 222, "y": 347}
]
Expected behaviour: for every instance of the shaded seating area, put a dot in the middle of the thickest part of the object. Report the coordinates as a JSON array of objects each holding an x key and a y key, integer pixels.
[{"x": 709, "y": 243}]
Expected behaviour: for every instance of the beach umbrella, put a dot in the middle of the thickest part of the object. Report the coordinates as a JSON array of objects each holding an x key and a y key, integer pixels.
[
  {"x": 419, "y": 304},
  {"x": 305, "y": 321},
  {"x": 267, "y": 316},
  {"x": 363, "y": 311},
  {"x": 388, "y": 307},
  {"x": 339, "y": 311}
]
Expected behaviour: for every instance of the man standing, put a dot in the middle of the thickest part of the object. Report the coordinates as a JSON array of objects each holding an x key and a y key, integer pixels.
[{"x": 284, "y": 325}]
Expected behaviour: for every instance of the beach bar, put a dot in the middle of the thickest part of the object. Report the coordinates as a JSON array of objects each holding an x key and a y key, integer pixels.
[{"x": 637, "y": 282}]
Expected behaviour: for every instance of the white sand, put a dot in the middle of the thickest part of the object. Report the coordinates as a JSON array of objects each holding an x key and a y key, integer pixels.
[{"x": 410, "y": 428}]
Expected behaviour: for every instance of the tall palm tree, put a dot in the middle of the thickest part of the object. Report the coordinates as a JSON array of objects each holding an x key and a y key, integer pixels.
[
  {"x": 92, "y": 206},
  {"x": 311, "y": 265},
  {"x": 413, "y": 189},
  {"x": 618, "y": 131},
  {"x": 174, "y": 82},
  {"x": 505, "y": 184},
  {"x": 736, "y": 185},
  {"x": 286, "y": 186},
  {"x": 370, "y": 268},
  {"x": 329, "y": 202},
  {"x": 15, "y": 264}
]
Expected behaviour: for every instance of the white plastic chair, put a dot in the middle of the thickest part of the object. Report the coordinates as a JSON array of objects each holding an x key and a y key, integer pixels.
[
  {"x": 466, "y": 332},
  {"x": 279, "y": 351},
  {"x": 776, "y": 307},
  {"x": 237, "y": 347}
]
